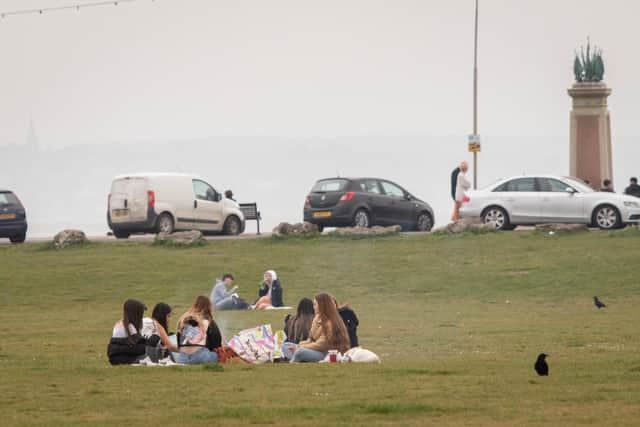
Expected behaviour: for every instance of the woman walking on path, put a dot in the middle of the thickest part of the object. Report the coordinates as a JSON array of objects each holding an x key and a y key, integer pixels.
[{"x": 462, "y": 185}]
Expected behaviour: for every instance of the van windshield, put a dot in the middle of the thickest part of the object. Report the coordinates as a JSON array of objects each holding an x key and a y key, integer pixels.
[
  {"x": 329, "y": 185},
  {"x": 7, "y": 198}
]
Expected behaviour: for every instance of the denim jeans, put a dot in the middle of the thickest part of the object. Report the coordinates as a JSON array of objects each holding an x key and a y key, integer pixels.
[
  {"x": 199, "y": 357},
  {"x": 307, "y": 355},
  {"x": 225, "y": 304},
  {"x": 288, "y": 348}
]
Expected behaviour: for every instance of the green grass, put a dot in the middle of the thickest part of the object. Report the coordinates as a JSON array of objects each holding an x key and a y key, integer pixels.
[{"x": 457, "y": 320}]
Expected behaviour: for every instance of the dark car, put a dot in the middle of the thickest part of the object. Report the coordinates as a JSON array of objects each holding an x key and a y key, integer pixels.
[
  {"x": 13, "y": 218},
  {"x": 363, "y": 202}
]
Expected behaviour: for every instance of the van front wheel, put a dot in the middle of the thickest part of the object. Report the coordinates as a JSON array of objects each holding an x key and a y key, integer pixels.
[
  {"x": 232, "y": 226},
  {"x": 165, "y": 224}
]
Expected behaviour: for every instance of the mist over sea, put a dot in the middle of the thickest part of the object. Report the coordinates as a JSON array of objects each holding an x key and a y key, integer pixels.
[{"x": 68, "y": 187}]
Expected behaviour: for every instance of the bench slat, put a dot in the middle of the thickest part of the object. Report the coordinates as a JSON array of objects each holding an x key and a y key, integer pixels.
[{"x": 251, "y": 212}]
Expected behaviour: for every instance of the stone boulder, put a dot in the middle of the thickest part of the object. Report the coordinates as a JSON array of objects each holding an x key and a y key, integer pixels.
[
  {"x": 298, "y": 229},
  {"x": 69, "y": 237},
  {"x": 562, "y": 228},
  {"x": 473, "y": 225},
  {"x": 373, "y": 231},
  {"x": 192, "y": 237}
]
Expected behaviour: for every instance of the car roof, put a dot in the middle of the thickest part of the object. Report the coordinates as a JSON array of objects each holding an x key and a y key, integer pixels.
[
  {"x": 539, "y": 175},
  {"x": 354, "y": 178},
  {"x": 155, "y": 174}
]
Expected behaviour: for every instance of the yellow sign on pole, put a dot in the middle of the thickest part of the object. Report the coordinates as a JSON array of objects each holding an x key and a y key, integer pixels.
[{"x": 474, "y": 143}]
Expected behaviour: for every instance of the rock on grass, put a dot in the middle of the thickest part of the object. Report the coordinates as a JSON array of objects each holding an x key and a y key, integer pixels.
[{"x": 69, "y": 237}]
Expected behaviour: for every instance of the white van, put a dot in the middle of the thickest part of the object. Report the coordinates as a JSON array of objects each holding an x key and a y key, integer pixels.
[{"x": 154, "y": 203}]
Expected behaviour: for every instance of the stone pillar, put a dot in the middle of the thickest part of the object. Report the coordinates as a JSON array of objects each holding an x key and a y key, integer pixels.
[{"x": 590, "y": 147}]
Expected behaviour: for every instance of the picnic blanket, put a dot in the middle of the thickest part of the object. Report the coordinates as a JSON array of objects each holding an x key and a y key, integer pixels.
[{"x": 258, "y": 345}]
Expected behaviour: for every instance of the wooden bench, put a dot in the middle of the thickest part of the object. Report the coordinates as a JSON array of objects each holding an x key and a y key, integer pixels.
[{"x": 251, "y": 212}]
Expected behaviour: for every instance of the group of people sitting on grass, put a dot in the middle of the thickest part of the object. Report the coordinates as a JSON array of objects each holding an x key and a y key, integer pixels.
[
  {"x": 224, "y": 296},
  {"x": 317, "y": 327}
]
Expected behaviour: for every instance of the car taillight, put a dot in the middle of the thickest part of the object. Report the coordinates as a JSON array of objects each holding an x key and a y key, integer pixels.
[
  {"x": 307, "y": 202},
  {"x": 151, "y": 197},
  {"x": 347, "y": 196},
  {"x": 466, "y": 199}
]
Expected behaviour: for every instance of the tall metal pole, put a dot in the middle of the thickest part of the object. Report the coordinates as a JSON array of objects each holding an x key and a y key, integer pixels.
[{"x": 475, "y": 98}]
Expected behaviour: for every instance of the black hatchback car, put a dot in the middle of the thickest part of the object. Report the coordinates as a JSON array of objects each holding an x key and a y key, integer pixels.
[
  {"x": 363, "y": 202},
  {"x": 13, "y": 218}
]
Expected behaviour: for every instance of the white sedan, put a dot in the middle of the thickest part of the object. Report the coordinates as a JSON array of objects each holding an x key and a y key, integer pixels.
[{"x": 529, "y": 200}]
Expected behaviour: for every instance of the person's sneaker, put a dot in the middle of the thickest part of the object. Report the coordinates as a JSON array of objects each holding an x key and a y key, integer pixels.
[
  {"x": 166, "y": 361},
  {"x": 146, "y": 362},
  {"x": 252, "y": 307}
]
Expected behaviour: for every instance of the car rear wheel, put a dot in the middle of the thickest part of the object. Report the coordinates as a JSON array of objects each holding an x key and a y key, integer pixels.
[
  {"x": 20, "y": 238},
  {"x": 497, "y": 217},
  {"x": 165, "y": 223},
  {"x": 121, "y": 234},
  {"x": 424, "y": 223},
  {"x": 361, "y": 219},
  {"x": 607, "y": 217},
  {"x": 232, "y": 226}
]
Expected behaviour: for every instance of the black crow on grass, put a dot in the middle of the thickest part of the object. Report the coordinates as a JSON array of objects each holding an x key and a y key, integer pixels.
[
  {"x": 598, "y": 303},
  {"x": 541, "y": 365}
]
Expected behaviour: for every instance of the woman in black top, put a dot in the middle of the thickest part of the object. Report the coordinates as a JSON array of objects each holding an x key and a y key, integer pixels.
[{"x": 270, "y": 292}]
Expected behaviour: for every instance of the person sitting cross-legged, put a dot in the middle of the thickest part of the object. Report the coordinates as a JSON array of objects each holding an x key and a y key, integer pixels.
[
  {"x": 222, "y": 298},
  {"x": 327, "y": 332},
  {"x": 270, "y": 292}
]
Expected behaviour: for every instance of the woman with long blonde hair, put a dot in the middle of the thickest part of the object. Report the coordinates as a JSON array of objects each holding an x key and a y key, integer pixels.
[{"x": 327, "y": 332}]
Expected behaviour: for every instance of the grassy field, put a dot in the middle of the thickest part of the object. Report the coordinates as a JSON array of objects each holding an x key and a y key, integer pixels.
[{"x": 458, "y": 322}]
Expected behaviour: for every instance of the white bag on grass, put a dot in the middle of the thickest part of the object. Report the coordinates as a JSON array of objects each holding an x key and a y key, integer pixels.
[{"x": 361, "y": 355}]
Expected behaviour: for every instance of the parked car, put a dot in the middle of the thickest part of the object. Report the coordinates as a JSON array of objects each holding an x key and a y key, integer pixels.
[
  {"x": 529, "y": 200},
  {"x": 154, "y": 203},
  {"x": 363, "y": 202},
  {"x": 13, "y": 217}
]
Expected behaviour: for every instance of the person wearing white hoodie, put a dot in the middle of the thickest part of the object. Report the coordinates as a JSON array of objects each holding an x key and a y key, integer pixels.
[{"x": 270, "y": 292}]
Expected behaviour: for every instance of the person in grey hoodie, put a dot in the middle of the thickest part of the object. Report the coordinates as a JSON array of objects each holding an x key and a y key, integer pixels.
[{"x": 222, "y": 298}]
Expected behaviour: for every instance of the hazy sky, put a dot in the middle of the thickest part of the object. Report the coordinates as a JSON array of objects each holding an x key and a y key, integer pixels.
[
  {"x": 304, "y": 79},
  {"x": 196, "y": 68}
]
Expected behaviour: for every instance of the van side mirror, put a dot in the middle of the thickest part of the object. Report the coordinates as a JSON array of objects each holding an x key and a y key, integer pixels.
[
  {"x": 409, "y": 197},
  {"x": 218, "y": 197}
]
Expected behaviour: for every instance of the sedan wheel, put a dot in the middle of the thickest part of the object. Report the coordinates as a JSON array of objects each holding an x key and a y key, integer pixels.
[
  {"x": 607, "y": 218},
  {"x": 361, "y": 219},
  {"x": 496, "y": 217},
  {"x": 425, "y": 223}
]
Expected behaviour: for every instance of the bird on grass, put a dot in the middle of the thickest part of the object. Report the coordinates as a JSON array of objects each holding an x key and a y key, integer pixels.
[
  {"x": 598, "y": 303},
  {"x": 541, "y": 366}
]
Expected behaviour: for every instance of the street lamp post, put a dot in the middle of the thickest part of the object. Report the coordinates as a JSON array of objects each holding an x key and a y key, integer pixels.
[{"x": 475, "y": 98}]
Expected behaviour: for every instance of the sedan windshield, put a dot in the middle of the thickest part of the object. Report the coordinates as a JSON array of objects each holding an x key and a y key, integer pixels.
[
  {"x": 329, "y": 185},
  {"x": 579, "y": 185}
]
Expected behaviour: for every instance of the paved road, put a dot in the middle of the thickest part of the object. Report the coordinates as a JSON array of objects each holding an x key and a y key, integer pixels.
[
  {"x": 149, "y": 237},
  {"x": 139, "y": 238}
]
